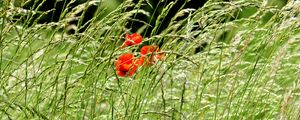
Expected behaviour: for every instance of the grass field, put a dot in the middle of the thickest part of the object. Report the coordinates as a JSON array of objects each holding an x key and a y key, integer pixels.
[{"x": 248, "y": 70}]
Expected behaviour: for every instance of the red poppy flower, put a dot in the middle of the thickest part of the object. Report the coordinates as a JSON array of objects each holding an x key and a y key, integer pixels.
[
  {"x": 125, "y": 65},
  {"x": 148, "y": 49},
  {"x": 140, "y": 61},
  {"x": 152, "y": 58},
  {"x": 132, "y": 39}
]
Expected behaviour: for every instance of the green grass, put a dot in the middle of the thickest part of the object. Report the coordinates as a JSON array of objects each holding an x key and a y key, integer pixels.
[{"x": 251, "y": 72}]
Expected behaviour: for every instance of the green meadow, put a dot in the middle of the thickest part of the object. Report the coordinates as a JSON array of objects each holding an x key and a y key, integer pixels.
[{"x": 248, "y": 67}]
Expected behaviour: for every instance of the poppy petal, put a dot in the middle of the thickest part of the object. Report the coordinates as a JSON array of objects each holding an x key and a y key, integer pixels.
[
  {"x": 132, "y": 39},
  {"x": 125, "y": 65},
  {"x": 137, "y": 38},
  {"x": 140, "y": 61},
  {"x": 121, "y": 73},
  {"x": 126, "y": 58},
  {"x": 148, "y": 49},
  {"x": 132, "y": 70}
]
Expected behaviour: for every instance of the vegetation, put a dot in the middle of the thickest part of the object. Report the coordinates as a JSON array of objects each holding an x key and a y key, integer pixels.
[{"x": 249, "y": 68}]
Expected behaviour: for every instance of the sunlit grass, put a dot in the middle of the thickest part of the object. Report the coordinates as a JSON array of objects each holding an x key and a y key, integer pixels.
[{"x": 252, "y": 73}]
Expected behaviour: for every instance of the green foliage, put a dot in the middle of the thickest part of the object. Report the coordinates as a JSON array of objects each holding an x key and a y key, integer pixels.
[{"x": 249, "y": 69}]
